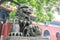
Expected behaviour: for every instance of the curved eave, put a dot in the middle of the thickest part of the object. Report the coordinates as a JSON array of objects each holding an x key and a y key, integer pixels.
[{"x": 1, "y": 7}]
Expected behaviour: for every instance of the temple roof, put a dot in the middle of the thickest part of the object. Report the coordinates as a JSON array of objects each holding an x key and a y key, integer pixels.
[{"x": 3, "y": 8}]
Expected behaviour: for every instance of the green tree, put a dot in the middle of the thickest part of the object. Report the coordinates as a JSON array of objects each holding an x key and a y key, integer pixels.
[
  {"x": 39, "y": 5},
  {"x": 12, "y": 14}
]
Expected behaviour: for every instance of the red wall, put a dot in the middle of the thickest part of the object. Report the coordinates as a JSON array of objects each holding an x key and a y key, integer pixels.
[{"x": 51, "y": 29}]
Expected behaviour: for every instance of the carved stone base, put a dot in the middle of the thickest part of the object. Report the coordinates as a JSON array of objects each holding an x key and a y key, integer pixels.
[{"x": 25, "y": 38}]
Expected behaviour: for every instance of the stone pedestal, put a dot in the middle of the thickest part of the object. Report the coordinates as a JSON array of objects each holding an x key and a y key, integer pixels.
[{"x": 25, "y": 38}]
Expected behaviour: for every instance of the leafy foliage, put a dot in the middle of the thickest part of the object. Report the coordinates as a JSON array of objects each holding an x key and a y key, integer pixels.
[
  {"x": 12, "y": 14},
  {"x": 39, "y": 5}
]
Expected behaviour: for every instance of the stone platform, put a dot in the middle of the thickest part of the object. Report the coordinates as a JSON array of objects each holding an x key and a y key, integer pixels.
[{"x": 25, "y": 38}]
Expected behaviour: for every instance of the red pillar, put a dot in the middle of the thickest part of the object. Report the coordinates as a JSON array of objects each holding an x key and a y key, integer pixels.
[
  {"x": 6, "y": 30},
  {"x": 1, "y": 28}
]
